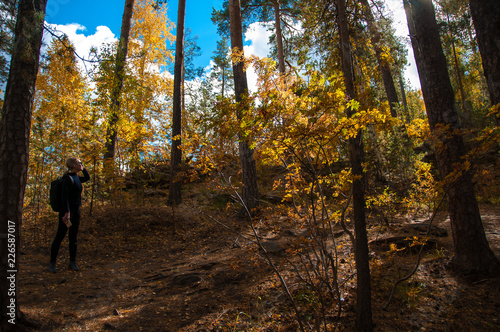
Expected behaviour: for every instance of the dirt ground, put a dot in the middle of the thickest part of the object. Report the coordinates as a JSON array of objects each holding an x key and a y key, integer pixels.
[{"x": 150, "y": 268}]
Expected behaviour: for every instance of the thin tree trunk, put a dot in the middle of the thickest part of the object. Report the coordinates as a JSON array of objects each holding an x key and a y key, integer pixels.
[
  {"x": 92, "y": 193},
  {"x": 471, "y": 38},
  {"x": 486, "y": 17},
  {"x": 472, "y": 252},
  {"x": 465, "y": 108},
  {"x": 250, "y": 190},
  {"x": 15, "y": 127},
  {"x": 363, "y": 299},
  {"x": 466, "y": 114},
  {"x": 390, "y": 88},
  {"x": 279, "y": 36},
  {"x": 403, "y": 98},
  {"x": 223, "y": 82},
  {"x": 176, "y": 153},
  {"x": 121, "y": 54}
]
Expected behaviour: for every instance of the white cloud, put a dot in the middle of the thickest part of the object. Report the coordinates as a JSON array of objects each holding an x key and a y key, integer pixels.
[
  {"x": 208, "y": 68},
  {"x": 82, "y": 43},
  {"x": 258, "y": 35}
]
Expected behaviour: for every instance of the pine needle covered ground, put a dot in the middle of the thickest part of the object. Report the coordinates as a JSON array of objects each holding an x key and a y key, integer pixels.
[{"x": 146, "y": 266}]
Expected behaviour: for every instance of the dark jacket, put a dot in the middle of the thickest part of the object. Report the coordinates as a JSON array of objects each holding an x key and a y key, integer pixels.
[{"x": 72, "y": 190}]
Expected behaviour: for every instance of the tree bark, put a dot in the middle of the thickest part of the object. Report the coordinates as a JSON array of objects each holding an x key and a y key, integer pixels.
[
  {"x": 250, "y": 190},
  {"x": 175, "y": 196},
  {"x": 279, "y": 36},
  {"x": 472, "y": 252},
  {"x": 363, "y": 298},
  {"x": 121, "y": 54},
  {"x": 486, "y": 18},
  {"x": 15, "y": 127}
]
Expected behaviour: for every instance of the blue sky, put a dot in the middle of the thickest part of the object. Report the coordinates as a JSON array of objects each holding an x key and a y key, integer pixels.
[{"x": 94, "y": 13}]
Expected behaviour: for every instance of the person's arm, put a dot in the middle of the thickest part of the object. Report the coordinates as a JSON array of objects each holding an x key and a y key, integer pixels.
[
  {"x": 85, "y": 177},
  {"x": 66, "y": 187}
]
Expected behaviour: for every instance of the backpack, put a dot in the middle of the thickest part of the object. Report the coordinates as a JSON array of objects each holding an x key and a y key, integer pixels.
[{"x": 56, "y": 193}]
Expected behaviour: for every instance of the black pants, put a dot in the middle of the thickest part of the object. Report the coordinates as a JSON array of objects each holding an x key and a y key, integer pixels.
[{"x": 61, "y": 232}]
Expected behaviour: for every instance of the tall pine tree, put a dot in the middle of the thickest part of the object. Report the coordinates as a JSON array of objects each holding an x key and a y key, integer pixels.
[
  {"x": 121, "y": 54},
  {"x": 176, "y": 153},
  {"x": 472, "y": 252},
  {"x": 250, "y": 190},
  {"x": 14, "y": 151},
  {"x": 363, "y": 299}
]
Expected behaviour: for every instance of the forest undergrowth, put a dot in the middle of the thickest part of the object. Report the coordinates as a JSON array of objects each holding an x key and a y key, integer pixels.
[{"x": 202, "y": 266}]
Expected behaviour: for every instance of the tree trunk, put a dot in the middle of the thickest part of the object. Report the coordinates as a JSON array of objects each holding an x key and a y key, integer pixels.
[
  {"x": 279, "y": 36},
  {"x": 121, "y": 54},
  {"x": 472, "y": 252},
  {"x": 15, "y": 127},
  {"x": 463, "y": 99},
  {"x": 486, "y": 17},
  {"x": 363, "y": 299},
  {"x": 390, "y": 88},
  {"x": 403, "y": 98},
  {"x": 250, "y": 190},
  {"x": 465, "y": 108},
  {"x": 175, "y": 196},
  {"x": 223, "y": 82}
]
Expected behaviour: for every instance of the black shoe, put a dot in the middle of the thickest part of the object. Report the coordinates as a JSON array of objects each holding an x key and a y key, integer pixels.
[
  {"x": 52, "y": 267},
  {"x": 72, "y": 266}
]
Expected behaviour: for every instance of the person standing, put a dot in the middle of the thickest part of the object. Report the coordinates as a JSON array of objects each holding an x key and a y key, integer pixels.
[{"x": 69, "y": 216}]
